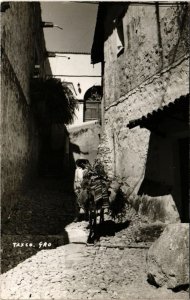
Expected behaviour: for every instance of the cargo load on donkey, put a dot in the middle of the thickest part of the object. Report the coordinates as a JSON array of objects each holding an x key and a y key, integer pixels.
[{"x": 93, "y": 195}]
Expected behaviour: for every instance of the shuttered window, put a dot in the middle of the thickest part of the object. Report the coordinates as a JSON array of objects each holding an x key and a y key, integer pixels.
[{"x": 92, "y": 111}]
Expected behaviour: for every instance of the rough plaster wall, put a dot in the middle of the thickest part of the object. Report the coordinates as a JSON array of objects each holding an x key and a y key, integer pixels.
[
  {"x": 19, "y": 139},
  {"x": 153, "y": 42},
  {"x": 106, "y": 152},
  {"x": 131, "y": 145},
  {"x": 87, "y": 138},
  {"x": 21, "y": 34},
  {"x": 127, "y": 159},
  {"x": 78, "y": 119},
  {"x": 142, "y": 79}
]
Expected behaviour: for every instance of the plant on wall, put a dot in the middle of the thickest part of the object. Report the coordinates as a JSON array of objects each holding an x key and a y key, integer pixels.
[
  {"x": 95, "y": 97},
  {"x": 52, "y": 102},
  {"x": 94, "y": 94}
]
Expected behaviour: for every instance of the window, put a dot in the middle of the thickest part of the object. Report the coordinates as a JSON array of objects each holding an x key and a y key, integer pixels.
[{"x": 92, "y": 111}]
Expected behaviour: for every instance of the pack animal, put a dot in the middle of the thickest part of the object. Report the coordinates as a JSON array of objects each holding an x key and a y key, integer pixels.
[{"x": 93, "y": 199}]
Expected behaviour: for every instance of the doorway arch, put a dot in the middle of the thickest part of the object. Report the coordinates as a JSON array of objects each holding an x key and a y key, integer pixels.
[{"x": 92, "y": 103}]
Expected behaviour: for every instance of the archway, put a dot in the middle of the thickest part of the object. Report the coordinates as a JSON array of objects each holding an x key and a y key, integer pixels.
[{"x": 92, "y": 103}]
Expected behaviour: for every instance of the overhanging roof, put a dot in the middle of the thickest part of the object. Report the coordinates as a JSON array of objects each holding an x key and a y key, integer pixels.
[
  {"x": 97, "y": 51},
  {"x": 156, "y": 114},
  {"x": 108, "y": 12}
]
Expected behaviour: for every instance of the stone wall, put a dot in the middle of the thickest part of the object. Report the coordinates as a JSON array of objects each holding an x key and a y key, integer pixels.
[
  {"x": 155, "y": 38},
  {"x": 84, "y": 140},
  {"x": 22, "y": 40},
  {"x": 152, "y": 71}
]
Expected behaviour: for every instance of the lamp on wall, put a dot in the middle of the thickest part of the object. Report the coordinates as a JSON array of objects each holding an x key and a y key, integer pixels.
[
  {"x": 79, "y": 88},
  {"x": 54, "y": 54},
  {"x": 50, "y": 25}
]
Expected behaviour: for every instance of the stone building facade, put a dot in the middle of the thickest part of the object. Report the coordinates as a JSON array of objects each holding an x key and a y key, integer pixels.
[
  {"x": 85, "y": 140},
  {"x": 144, "y": 48},
  {"x": 23, "y": 58},
  {"x": 76, "y": 70}
]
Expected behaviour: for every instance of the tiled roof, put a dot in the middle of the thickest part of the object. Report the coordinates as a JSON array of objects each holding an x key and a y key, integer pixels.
[
  {"x": 70, "y": 52},
  {"x": 157, "y": 113}
]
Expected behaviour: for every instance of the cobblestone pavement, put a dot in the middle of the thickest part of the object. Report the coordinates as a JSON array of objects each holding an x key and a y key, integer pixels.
[
  {"x": 43, "y": 210},
  {"x": 113, "y": 268},
  {"x": 81, "y": 271}
]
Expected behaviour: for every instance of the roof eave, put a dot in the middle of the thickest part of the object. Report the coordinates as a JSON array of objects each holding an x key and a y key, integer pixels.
[{"x": 97, "y": 51}]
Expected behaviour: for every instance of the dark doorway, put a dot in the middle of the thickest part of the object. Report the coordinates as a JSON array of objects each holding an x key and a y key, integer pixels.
[{"x": 167, "y": 164}]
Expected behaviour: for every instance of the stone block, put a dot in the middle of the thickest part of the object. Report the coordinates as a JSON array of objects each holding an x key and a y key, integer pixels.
[
  {"x": 154, "y": 209},
  {"x": 168, "y": 257},
  {"x": 77, "y": 234},
  {"x": 87, "y": 139}
]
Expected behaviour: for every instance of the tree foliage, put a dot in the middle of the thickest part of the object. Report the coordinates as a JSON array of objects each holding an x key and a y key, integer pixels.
[{"x": 52, "y": 102}]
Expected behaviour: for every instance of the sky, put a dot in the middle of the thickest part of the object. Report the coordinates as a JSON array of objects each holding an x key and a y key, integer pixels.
[{"x": 78, "y": 22}]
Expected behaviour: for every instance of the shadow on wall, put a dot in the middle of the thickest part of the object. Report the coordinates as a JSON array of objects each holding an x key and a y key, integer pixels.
[
  {"x": 57, "y": 157},
  {"x": 167, "y": 171},
  {"x": 158, "y": 174}
]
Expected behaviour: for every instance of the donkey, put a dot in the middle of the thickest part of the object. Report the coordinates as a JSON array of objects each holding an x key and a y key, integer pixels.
[{"x": 98, "y": 201}]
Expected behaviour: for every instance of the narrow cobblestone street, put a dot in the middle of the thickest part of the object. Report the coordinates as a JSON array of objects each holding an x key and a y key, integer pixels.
[
  {"x": 112, "y": 268},
  {"x": 95, "y": 101}
]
